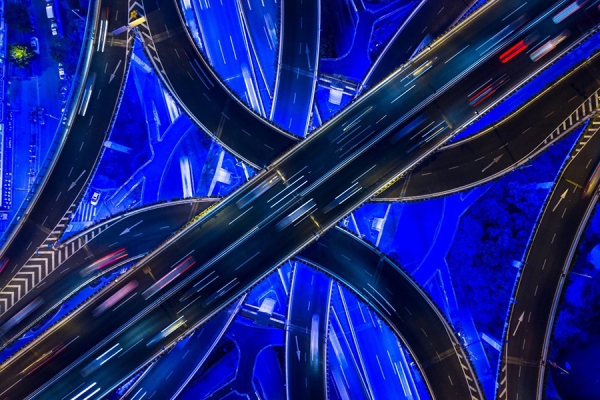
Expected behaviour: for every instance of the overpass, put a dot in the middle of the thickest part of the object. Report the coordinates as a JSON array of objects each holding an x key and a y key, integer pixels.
[
  {"x": 66, "y": 179},
  {"x": 297, "y": 70},
  {"x": 507, "y": 144},
  {"x": 253, "y": 230},
  {"x": 544, "y": 268},
  {"x": 201, "y": 94}
]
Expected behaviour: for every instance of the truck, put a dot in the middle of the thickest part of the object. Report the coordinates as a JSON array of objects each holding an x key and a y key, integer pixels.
[{"x": 49, "y": 11}]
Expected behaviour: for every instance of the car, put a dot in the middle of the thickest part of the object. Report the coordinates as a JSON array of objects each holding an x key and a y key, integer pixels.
[
  {"x": 35, "y": 45},
  {"x": 61, "y": 71},
  {"x": 95, "y": 198},
  {"x": 54, "y": 28},
  {"x": 40, "y": 115}
]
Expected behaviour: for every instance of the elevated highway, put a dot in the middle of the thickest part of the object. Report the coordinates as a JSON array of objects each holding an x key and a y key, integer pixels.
[
  {"x": 200, "y": 92},
  {"x": 86, "y": 127},
  {"x": 508, "y": 144},
  {"x": 544, "y": 268},
  {"x": 326, "y": 176}
]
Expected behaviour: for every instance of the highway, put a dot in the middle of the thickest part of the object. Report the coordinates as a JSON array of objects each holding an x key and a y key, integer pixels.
[
  {"x": 398, "y": 300},
  {"x": 508, "y": 144},
  {"x": 137, "y": 232},
  {"x": 74, "y": 165},
  {"x": 429, "y": 19},
  {"x": 297, "y": 65},
  {"x": 324, "y": 189},
  {"x": 545, "y": 265},
  {"x": 202, "y": 95},
  {"x": 169, "y": 375},
  {"x": 306, "y": 335}
]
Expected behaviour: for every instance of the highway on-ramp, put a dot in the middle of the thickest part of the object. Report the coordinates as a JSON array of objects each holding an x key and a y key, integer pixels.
[
  {"x": 507, "y": 144},
  {"x": 128, "y": 236},
  {"x": 94, "y": 113},
  {"x": 545, "y": 265},
  {"x": 203, "y": 96},
  {"x": 309, "y": 189}
]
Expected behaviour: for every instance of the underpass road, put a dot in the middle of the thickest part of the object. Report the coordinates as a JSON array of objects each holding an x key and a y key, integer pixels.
[
  {"x": 324, "y": 178},
  {"x": 306, "y": 335},
  {"x": 298, "y": 61}
]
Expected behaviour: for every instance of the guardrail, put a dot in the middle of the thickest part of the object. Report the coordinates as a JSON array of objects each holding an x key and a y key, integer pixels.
[
  {"x": 447, "y": 324},
  {"x": 526, "y": 252},
  {"x": 63, "y": 129},
  {"x": 487, "y": 110},
  {"x": 131, "y": 260}
]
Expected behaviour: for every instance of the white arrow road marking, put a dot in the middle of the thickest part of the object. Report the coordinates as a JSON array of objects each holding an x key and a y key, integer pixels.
[
  {"x": 76, "y": 180},
  {"x": 493, "y": 162},
  {"x": 562, "y": 197},
  {"x": 519, "y": 323},
  {"x": 127, "y": 230},
  {"x": 112, "y": 76}
]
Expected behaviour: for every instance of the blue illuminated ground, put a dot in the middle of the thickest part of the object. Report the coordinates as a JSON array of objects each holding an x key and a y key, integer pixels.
[{"x": 461, "y": 248}]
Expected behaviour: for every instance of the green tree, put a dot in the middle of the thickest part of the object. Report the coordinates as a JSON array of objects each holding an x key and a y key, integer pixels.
[
  {"x": 16, "y": 15},
  {"x": 20, "y": 55}
]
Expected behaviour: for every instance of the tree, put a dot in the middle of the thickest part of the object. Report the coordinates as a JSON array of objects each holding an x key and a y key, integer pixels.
[
  {"x": 59, "y": 48},
  {"x": 16, "y": 14},
  {"x": 76, "y": 30},
  {"x": 20, "y": 55}
]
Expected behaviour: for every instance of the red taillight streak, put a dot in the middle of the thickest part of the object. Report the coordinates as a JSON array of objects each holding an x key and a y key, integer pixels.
[
  {"x": 476, "y": 95},
  {"x": 513, "y": 52},
  {"x": 485, "y": 97}
]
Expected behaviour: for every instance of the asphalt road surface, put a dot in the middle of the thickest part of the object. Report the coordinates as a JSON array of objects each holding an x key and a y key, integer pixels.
[
  {"x": 306, "y": 335},
  {"x": 545, "y": 266},
  {"x": 393, "y": 294},
  {"x": 75, "y": 163},
  {"x": 507, "y": 144},
  {"x": 137, "y": 233},
  {"x": 298, "y": 59},
  {"x": 430, "y": 19},
  {"x": 325, "y": 177},
  {"x": 169, "y": 375},
  {"x": 202, "y": 95}
]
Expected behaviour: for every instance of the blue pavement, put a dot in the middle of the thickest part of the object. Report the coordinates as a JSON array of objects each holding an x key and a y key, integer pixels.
[
  {"x": 224, "y": 44},
  {"x": 261, "y": 26}
]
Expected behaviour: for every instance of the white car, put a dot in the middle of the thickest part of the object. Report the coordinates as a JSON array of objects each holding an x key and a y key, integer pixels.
[
  {"x": 61, "y": 71},
  {"x": 54, "y": 28},
  {"x": 95, "y": 198}
]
